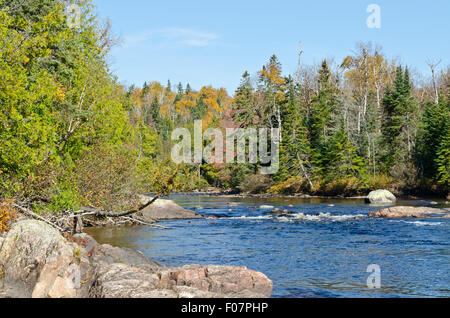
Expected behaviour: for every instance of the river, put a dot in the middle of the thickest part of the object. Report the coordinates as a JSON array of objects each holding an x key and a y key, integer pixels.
[{"x": 323, "y": 249}]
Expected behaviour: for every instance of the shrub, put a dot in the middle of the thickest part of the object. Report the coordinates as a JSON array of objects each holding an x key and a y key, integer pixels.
[
  {"x": 380, "y": 182},
  {"x": 255, "y": 183},
  {"x": 343, "y": 187},
  {"x": 291, "y": 186},
  {"x": 106, "y": 177},
  {"x": 7, "y": 216}
]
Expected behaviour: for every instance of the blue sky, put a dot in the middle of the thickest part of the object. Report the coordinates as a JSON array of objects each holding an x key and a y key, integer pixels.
[{"x": 214, "y": 42}]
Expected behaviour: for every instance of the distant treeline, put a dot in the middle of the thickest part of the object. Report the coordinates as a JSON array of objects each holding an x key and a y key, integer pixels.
[{"x": 72, "y": 135}]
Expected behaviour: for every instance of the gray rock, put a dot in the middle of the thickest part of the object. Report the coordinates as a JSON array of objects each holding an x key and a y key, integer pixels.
[
  {"x": 125, "y": 281},
  {"x": 165, "y": 210},
  {"x": 36, "y": 261},
  {"x": 191, "y": 281},
  {"x": 106, "y": 255},
  {"x": 410, "y": 212},
  {"x": 381, "y": 197}
]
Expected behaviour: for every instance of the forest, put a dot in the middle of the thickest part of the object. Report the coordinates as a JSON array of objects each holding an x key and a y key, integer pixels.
[{"x": 72, "y": 135}]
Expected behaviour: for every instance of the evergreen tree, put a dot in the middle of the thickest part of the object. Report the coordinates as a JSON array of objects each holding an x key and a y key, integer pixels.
[
  {"x": 188, "y": 88},
  {"x": 154, "y": 109},
  {"x": 243, "y": 108},
  {"x": 434, "y": 126},
  {"x": 321, "y": 107},
  {"x": 180, "y": 89},
  {"x": 443, "y": 161},
  {"x": 294, "y": 149},
  {"x": 400, "y": 111},
  {"x": 320, "y": 119},
  {"x": 341, "y": 159}
]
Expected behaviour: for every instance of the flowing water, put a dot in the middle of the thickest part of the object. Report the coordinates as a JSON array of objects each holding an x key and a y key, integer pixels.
[{"x": 323, "y": 249}]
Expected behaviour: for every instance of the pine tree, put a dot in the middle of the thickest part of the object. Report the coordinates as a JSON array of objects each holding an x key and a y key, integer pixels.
[
  {"x": 321, "y": 107},
  {"x": 341, "y": 158},
  {"x": 434, "y": 126},
  {"x": 319, "y": 121},
  {"x": 443, "y": 161},
  {"x": 294, "y": 149},
  {"x": 243, "y": 108},
  {"x": 154, "y": 110},
  {"x": 180, "y": 89},
  {"x": 400, "y": 111}
]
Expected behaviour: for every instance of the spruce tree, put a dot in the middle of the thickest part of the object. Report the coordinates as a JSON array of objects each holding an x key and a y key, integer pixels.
[
  {"x": 400, "y": 112},
  {"x": 294, "y": 149},
  {"x": 319, "y": 120},
  {"x": 243, "y": 109},
  {"x": 434, "y": 126}
]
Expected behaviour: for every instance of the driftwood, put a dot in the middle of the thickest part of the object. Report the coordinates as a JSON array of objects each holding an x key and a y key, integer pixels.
[{"x": 89, "y": 211}]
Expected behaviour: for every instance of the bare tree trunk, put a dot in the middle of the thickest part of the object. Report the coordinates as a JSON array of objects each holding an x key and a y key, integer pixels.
[{"x": 433, "y": 64}]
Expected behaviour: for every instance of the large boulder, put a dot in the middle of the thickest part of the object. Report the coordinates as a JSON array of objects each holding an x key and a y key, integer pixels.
[
  {"x": 191, "y": 281},
  {"x": 162, "y": 210},
  {"x": 410, "y": 212},
  {"x": 36, "y": 261},
  {"x": 381, "y": 197}
]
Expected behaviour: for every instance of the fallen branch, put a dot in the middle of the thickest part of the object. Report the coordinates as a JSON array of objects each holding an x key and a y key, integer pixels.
[
  {"x": 95, "y": 212},
  {"x": 36, "y": 216},
  {"x": 90, "y": 211}
]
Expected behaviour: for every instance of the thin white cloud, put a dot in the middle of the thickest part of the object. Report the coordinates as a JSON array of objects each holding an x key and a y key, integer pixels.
[
  {"x": 190, "y": 37},
  {"x": 180, "y": 36}
]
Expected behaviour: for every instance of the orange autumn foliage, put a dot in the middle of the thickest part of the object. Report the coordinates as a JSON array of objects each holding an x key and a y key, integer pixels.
[{"x": 7, "y": 216}]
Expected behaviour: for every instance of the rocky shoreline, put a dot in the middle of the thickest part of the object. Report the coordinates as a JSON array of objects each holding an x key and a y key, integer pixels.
[{"x": 37, "y": 261}]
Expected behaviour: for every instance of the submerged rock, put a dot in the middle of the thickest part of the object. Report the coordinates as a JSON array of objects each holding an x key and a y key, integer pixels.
[
  {"x": 280, "y": 212},
  {"x": 410, "y": 212},
  {"x": 381, "y": 197},
  {"x": 165, "y": 210}
]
